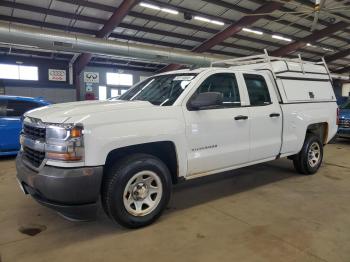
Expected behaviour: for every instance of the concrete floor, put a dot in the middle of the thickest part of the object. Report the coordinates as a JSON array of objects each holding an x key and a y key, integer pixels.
[{"x": 261, "y": 213}]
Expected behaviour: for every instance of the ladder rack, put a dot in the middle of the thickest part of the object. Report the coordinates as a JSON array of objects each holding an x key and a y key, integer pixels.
[{"x": 265, "y": 58}]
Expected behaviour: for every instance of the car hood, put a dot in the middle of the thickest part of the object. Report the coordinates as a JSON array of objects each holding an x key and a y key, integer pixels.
[{"x": 75, "y": 111}]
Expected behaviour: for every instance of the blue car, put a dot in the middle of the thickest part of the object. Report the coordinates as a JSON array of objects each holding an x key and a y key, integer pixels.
[
  {"x": 344, "y": 120},
  {"x": 12, "y": 109}
]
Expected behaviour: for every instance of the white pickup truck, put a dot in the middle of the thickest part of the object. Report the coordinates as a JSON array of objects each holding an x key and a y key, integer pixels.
[{"x": 176, "y": 125}]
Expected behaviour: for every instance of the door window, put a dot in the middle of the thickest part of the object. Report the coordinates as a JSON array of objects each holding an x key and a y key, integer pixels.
[
  {"x": 257, "y": 90},
  {"x": 224, "y": 83},
  {"x": 18, "y": 108}
]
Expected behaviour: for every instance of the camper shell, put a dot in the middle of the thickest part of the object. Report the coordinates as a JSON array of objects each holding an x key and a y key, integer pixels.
[{"x": 297, "y": 81}]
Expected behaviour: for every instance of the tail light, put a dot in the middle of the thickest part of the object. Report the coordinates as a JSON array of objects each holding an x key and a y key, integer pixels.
[{"x": 337, "y": 116}]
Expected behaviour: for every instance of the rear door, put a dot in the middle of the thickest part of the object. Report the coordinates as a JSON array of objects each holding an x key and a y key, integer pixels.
[{"x": 265, "y": 117}]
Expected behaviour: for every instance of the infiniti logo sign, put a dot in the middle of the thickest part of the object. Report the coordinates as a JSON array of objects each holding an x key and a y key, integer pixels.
[{"x": 91, "y": 77}]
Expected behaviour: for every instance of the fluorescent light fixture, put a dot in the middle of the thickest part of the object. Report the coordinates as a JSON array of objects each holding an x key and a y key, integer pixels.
[
  {"x": 154, "y": 7},
  {"x": 203, "y": 19},
  {"x": 282, "y": 38},
  {"x": 215, "y": 22},
  {"x": 170, "y": 11},
  {"x": 252, "y": 31}
]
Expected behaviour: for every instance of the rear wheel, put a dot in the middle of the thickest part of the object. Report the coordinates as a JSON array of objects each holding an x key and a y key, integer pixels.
[
  {"x": 309, "y": 159},
  {"x": 136, "y": 190}
]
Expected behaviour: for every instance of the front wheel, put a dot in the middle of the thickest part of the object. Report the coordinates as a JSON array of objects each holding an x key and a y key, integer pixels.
[
  {"x": 136, "y": 190},
  {"x": 309, "y": 159}
]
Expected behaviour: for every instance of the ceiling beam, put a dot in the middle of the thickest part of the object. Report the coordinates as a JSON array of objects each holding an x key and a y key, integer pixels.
[
  {"x": 108, "y": 8},
  {"x": 317, "y": 35},
  {"x": 336, "y": 56},
  {"x": 343, "y": 70},
  {"x": 144, "y": 29},
  {"x": 113, "y": 22}
]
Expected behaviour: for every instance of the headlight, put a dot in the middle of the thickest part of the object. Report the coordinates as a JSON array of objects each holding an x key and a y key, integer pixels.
[{"x": 65, "y": 143}]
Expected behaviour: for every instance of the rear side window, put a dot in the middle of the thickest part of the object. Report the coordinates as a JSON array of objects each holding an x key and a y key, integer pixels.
[
  {"x": 257, "y": 89},
  {"x": 224, "y": 83},
  {"x": 18, "y": 108}
]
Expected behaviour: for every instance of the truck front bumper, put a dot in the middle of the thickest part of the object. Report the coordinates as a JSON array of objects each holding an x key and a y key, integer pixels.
[
  {"x": 344, "y": 132},
  {"x": 73, "y": 192}
]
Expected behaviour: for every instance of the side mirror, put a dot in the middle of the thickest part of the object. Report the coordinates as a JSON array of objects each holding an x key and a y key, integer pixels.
[{"x": 206, "y": 100}]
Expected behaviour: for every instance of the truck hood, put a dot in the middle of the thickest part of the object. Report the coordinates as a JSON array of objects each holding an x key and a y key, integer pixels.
[{"x": 72, "y": 112}]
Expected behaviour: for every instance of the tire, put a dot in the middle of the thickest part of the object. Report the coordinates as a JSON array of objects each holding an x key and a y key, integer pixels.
[
  {"x": 309, "y": 159},
  {"x": 136, "y": 190}
]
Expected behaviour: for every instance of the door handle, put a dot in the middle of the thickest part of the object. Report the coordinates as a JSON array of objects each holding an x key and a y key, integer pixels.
[
  {"x": 241, "y": 118},
  {"x": 275, "y": 115}
]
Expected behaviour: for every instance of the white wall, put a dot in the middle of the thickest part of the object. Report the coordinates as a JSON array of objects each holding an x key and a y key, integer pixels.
[
  {"x": 346, "y": 89},
  {"x": 137, "y": 75},
  {"x": 55, "y": 95}
]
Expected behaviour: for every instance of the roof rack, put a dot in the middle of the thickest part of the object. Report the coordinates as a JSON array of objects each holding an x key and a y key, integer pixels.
[{"x": 265, "y": 58}]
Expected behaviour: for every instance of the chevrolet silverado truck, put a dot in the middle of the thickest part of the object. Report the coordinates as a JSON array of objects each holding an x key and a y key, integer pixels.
[{"x": 175, "y": 126}]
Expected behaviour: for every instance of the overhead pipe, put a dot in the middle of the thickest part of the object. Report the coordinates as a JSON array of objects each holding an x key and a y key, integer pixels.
[{"x": 61, "y": 41}]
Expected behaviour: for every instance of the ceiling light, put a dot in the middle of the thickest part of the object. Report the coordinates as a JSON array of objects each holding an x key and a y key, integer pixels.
[
  {"x": 150, "y": 6},
  {"x": 281, "y": 38},
  {"x": 203, "y": 19},
  {"x": 217, "y": 22},
  {"x": 310, "y": 45},
  {"x": 155, "y": 7},
  {"x": 170, "y": 11},
  {"x": 328, "y": 49},
  {"x": 252, "y": 31}
]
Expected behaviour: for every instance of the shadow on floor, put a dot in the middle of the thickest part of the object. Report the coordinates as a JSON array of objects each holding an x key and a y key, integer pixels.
[
  {"x": 7, "y": 158},
  {"x": 201, "y": 190},
  {"x": 342, "y": 141}
]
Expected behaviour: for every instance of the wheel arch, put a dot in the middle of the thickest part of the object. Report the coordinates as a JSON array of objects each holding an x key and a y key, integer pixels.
[
  {"x": 320, "y": 130},
  {"x": 164, "y": 150}
]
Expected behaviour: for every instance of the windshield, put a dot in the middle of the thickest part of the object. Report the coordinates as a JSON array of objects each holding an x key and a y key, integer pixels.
[
  {"x": 160, "y": 90},
  {"x": 345, "y": 106}
]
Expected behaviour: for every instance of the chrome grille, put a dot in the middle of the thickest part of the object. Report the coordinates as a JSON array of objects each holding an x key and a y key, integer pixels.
[
  {"x": 344, "y": 122},
  {"x": 34, "y": 157},
  {"x": 34, "y": 132}
]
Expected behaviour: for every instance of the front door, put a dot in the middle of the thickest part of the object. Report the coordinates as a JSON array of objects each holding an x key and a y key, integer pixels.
[{"x": 218, "y": 138}]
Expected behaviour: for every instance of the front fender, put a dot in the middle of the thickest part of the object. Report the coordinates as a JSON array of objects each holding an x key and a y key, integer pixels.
[{"x": 102, "y": 138}]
